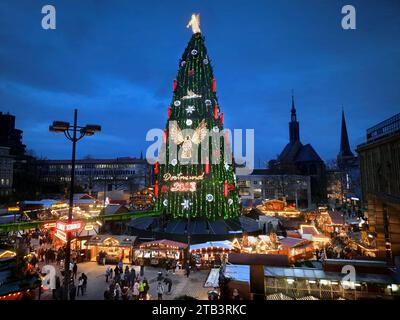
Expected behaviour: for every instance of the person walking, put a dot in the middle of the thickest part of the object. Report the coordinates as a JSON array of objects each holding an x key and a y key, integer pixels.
[
  {"x": 187, "y": 268},
  {"x": 80, "y": 286},
  {"x": 75, "y": 270},
  {"x": 84, "y": 278},
  {"x": 116, "y": 274},
  {"x": 132, "y": 276},
  {"x": 107, "y": 295},
  {"x": 141, "y": 268},
  {"x": 141, "y": 290},
  {"x": 160, "y": 290},
  {"x": 146, "y": 288},
  {"x": 127, "y": 276},
  {"x": 136, "y": 292},
  {"x": 107, "y": 273},
  {"x": 72, "y": 291},
  {"x": 168, "y": 282},
  {"x": 117, "y": 291}
]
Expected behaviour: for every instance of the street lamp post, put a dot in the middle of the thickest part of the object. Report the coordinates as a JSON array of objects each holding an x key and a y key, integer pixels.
[{"x": 67, "y": 129}]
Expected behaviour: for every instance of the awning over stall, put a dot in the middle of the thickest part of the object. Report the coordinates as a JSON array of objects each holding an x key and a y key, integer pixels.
[{"x": 224, "y": 245}]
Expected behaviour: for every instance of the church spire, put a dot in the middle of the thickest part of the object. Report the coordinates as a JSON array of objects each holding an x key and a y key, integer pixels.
[
  {"x": 293, "y": 111},
  {"x": 294, "y": 130},
  {"x": 345, "y": 151}
]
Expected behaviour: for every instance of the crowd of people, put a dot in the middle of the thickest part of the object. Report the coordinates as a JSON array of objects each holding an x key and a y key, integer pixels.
[{"x": 127, "y": 284}]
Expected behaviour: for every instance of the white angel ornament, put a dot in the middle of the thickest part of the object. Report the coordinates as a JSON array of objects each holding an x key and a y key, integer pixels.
[{"x": 177, "y": 137}]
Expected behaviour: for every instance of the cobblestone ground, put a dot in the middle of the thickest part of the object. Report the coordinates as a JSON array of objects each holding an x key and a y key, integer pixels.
[{"x": 181, "y": 285}]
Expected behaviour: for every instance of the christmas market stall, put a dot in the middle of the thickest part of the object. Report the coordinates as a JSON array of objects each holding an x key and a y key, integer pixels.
[
  {"x": 278, "y": 208},
  {"x": 296, "y": 249},
  {"x": 211, "y": 254},
  {"x": 267, "y": 244},
  {"x": 17, "y": 282},
  {"x": 310, "y": 232},
  {"x": 111, "y": 249},
  {"x": 332, "y": 221},
  {"x": 160, "y": 253}
]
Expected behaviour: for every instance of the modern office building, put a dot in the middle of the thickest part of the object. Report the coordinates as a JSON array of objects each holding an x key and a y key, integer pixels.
[
  {"x": 262, "y": 185},
  {"x": 94, "y": 175},
  {"x": 379, "y": 160}
]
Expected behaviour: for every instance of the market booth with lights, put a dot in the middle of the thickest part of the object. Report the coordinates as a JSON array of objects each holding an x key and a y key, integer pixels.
[
  {"x": 160, "y": 253},
  {"x": 13, "y": 287},
  {"x": 112, "y": 248},
  {"x": 211, "y": 254}
]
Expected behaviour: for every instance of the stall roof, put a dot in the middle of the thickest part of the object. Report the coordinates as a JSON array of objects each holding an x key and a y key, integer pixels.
[
  {"x": 318, "y": 274},
  {"x": 292, "y": 242},
  {"x": 242, "y": 273},
  {"x": 141, "y": 223},
  {"x": 280, "y": 260},
  {"x": 47, "y": 203},
  {"x": 237, "y": 272},
  {"x": 336, "y": 217},
  {"x": 226, "y": 244},
  {"x": 164, "y": 242},
  {"x": 115, "y": 208},
  {"x": 309, "y": 229},
  {"x": 123, "y": 240}
]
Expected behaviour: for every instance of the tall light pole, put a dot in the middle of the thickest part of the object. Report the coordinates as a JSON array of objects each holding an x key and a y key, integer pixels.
[{"x": 70, "y": 133}]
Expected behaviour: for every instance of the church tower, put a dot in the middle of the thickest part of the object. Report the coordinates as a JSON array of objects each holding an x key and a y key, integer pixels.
[
  {"x": 345, "y": 153},
  {"x": 294, "y": 130}
]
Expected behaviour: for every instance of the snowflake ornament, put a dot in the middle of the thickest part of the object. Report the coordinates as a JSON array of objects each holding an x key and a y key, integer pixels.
[
  {"x": 194, "y": 52},
  {"x": 189, "y": 122},
  {"x": 209, "y": 197},
  {"x": 177, "y": 103},
  {"x": 205, "y": 61},
  {"x": 208, "y": 102},
  {"x": 226, "y": 165},
  {"x": 215, "y": 129},
  {"x": 186, "y": 204},
  {"x": 165, "y": 203},
  {"x": 190, "y": 109},
  {"x": 174, "y": 162}
]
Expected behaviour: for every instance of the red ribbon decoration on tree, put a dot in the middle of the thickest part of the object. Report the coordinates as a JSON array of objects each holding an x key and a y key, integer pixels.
[
  {"x": 216, "y": 112},
  {"x": 156, "y": 168},
  {"x": 207, "y": 167},
  {"x": 174, "y": 85},
  {"x": 165, "y": 135},
  {"x": 225, "y": 188},
  {"x": 156, "y": 189},
  {"x": 169, "y": 112},
  {"x": 221, "y": 119},
  {"x": 214, "y": 85}
]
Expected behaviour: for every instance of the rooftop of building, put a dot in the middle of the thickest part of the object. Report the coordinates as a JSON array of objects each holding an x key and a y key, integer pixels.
[{"x": 124, "y": 160}]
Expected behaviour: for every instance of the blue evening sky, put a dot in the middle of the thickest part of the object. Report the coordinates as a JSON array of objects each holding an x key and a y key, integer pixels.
[{"x": 115, "y": 62}]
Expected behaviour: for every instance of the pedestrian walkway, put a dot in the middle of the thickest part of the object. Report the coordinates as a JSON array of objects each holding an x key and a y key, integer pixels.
[{"x": 181, "y": 285}]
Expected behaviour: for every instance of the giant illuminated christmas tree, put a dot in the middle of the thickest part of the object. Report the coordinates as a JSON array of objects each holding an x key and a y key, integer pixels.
[{"x": 183, "y": 188}]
